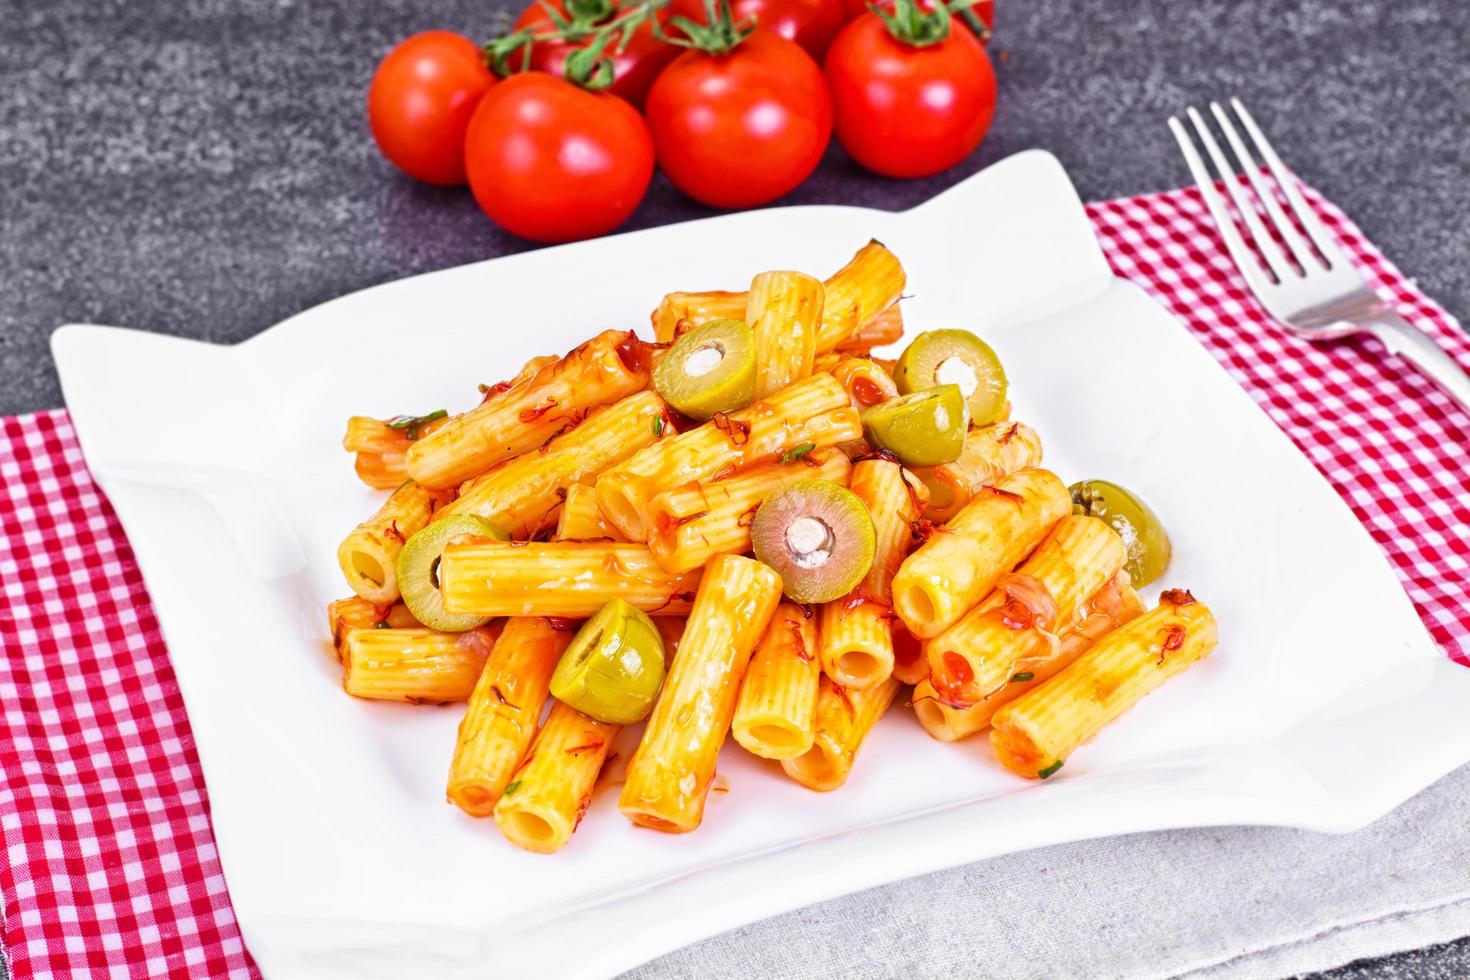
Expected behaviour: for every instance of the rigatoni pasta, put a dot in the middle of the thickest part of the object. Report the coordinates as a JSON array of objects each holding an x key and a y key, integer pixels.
[
  {"x": 775, "y": 716},
  {"x": 1017, "y": 623},
  {"x": 1034, "y": 735},
  {"x": 990, "y": 452},
  {"x": 503, "y": 712},
  {"x": 812, "y": 412},
  {"x": 543, "y": 803},
  {"x": 368, "y": 555},
  {"x": 784, "y": 310},
  {"x": 948, "y": 723},
  {"x": 844, "y": 719},
  {"x": 871, "y": 282},
  {"x": 414, "y": 664},
  {"x": 857, "y": 630},
  {"x": 570, "y": 579},
  {"x": 960, "y": 563},
  {"x": 669, "y": 775},
  {"x": 694, "y": 523},
  {"x": 518, "y": 495},
  {"x": 608, "y": 367}
]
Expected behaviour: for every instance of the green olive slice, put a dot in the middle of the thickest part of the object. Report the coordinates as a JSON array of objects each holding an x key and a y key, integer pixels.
[
  {"x": 1143, "y": 534},
  {"x": 418, "y": 570},
  {"x": 926, "y": 428},
  {"x": 818, "y": 535},
  {"x": 939, "y": 357},
  {"x": 614, "y": 666},
  {"x": 710, "y": 369}
]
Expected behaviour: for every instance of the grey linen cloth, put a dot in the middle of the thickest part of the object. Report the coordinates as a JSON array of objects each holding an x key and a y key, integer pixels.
[{"x": 1207, "y": 904}]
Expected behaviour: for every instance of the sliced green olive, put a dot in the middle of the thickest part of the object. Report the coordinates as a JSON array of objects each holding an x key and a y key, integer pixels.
[
  {"x": 818, "y": 535},
  {"x": 710, "y": 369},
  {"x": 941, "y": 357},
  {"x": 1143, "y": 534},
  {"x": 418, "y": 570},
  {"x": 614, "y": 667},
  {"x": 926, "y": 428}
]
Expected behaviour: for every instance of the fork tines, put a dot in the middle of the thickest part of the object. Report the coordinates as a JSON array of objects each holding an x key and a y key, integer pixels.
[{"x": 1300, "y": 256}]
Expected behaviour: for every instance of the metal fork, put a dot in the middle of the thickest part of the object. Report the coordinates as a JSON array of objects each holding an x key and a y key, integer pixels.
[{"x": 1311, "y": 288}]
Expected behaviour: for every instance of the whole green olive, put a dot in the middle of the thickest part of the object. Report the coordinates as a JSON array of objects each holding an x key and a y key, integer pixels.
[{"x": 1143, "y": 534}]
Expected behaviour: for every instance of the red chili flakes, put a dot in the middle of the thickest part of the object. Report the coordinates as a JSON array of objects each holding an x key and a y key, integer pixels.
[
  {"x": 500, "y": 696},
  {"x": 393, "y": 530},
  {"x": 876, "y": 453},
  {"x": 582, "y": 806},
  {"x": 916, "y": 491},
  {"x": 799, "y": 644},
  {"x": 1003, "y": 493},
  {"x": 923, "y": 529},
  {"x": 807, "y": 610},
  {"x": 532, "y": 414},
  {"x": 738, "y": 431},
  {"x": 1178, "y": 597},
  {"x": 1173, "y": 640},
  {"x": 561, "y": 624},
  {"x": 1008, "y": 434},
  {"x": 865, "y": 392},
  {"x": 745, "y": 519}
]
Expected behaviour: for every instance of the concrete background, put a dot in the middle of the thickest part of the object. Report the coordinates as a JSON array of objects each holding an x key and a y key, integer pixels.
[{"x": 203, "y": 168}]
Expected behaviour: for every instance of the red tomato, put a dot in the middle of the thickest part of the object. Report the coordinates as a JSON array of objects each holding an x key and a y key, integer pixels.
[
  {"x": 810, "y": 23},
  {"x": 905, "y": 111},
  {"x": 634, "y": 68},
  {"x": 740, "y": 129},
  {"x": 553, "y": 162},
  {"x": 985, "y": 9},
  {"x": 420, "y": 101}
]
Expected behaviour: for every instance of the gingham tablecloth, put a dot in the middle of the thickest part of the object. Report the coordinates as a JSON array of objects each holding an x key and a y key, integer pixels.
[{"x": 111, "y": 867}]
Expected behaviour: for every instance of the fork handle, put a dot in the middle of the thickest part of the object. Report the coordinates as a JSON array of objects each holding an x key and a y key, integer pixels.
[{"x": 1408, "y": 342}]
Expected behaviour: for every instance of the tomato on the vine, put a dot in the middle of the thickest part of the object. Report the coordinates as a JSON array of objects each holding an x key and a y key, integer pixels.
[
  {"x": 810, "y": 23},
  {"x": 420, "y": 102},
  {"x": 983, "y": 10},
  {"x": 913, "y": 91},
  {"x": 739, "y": 120},
  {"x": 636, "y": 60},
  {"x": 554, "y": 162}
]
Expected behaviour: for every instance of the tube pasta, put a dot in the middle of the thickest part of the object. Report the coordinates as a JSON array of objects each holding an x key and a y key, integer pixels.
[
  {"x": 696, "y": 522},
  {"x": 608, "y": 367},
  {"x": 669, "y": 775},
  {"x": 581, "y": 518},
  {"x": 961, "y": 562},
  {"x": 871, "y": 282},
  {"x": 381, "y": 471},
  {"x": 1034, "y": 734},
  {"x": 368, "y": 555},
  {"x": 543, "y": 803},
  {"x": 356, "y": 613},
  {"x": 844, "y": 718},
  {"x": 417, "y": 665},
  {"x": 692, "y": 309},
  {"x": 370, "y": 435},
  {"x": 991, "y": 452},
  {"x": 775, "y": 717},
  {"x": 503, "y": 711},
  {"x": 1017, "y": 623},
  {"x": 784, "y": 310},
  {"x": 949, "y": 724},
  {"x": 812, "y": 411},
  {"x": 857, "y": 630},
  {"x": 518, "y": 495},
  {"x": 884, "y": 328},
  {"x": 567, "y": 579}
]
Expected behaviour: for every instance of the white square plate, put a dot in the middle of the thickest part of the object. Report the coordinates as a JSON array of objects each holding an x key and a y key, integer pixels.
[{"x": 1325, "y": 706}]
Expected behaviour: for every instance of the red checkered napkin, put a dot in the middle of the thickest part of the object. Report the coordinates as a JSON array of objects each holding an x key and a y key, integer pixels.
[{"x": 111, "y": 867}]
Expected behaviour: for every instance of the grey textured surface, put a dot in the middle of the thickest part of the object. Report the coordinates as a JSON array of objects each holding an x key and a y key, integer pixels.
[{"x": 202, "y": 168}]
